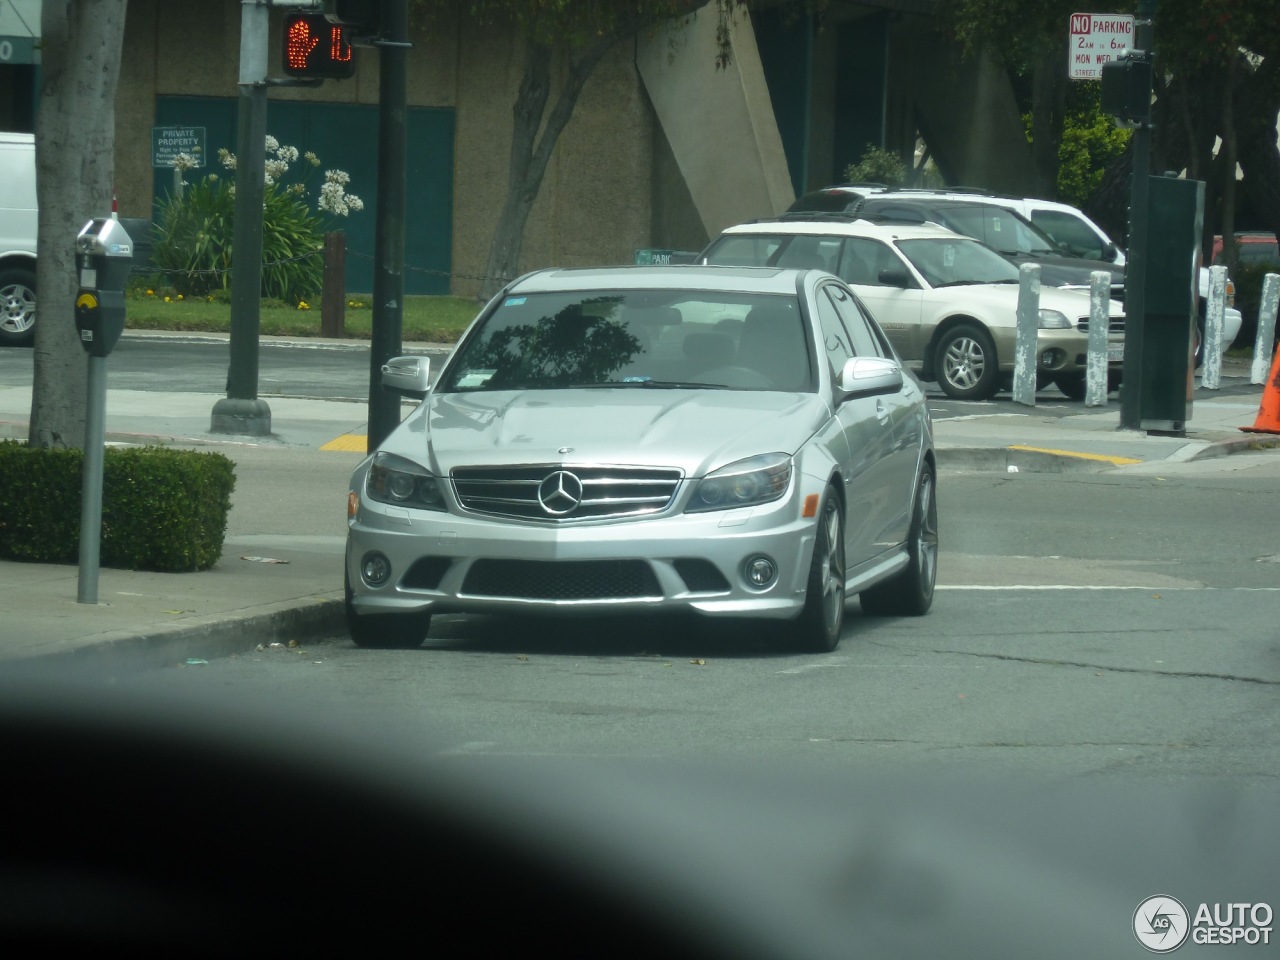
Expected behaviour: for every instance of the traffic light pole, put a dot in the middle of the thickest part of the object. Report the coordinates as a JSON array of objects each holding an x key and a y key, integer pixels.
[
  {"x": 242, "y": 412},
  {"x": 388, "y": 266}
]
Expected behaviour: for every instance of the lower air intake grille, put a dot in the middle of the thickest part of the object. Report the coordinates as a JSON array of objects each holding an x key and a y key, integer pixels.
[{"x": 562, "y": 579}]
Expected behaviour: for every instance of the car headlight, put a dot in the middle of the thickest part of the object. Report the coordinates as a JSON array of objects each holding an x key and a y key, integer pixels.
[
  {"x": 743, "y": 484},
  {"x": 402, "y": 482},
  {"x": 1054, "y": 320}
]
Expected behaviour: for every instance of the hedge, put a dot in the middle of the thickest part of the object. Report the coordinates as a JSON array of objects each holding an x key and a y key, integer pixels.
[{"x": 162, "y": 509}]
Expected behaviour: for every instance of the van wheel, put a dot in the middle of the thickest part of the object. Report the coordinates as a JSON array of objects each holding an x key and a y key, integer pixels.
[{"x": 17, "y": 306}]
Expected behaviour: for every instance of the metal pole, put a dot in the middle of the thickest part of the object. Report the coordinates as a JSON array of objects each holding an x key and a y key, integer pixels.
[
  {"x": 95, "y": 436},
  {"x": 242, "y": 412},
  {"x": 1266, "y": 328},
  {"x": 388, "y": 267},
  {"x": 1135, "y": 302},
  {"x": 1097, "y": 360}
]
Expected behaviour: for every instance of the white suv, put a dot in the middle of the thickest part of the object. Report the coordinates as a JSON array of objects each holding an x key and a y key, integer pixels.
[
  {"x": 17, "y": 237},
  {"x": 947, "y": 302}
]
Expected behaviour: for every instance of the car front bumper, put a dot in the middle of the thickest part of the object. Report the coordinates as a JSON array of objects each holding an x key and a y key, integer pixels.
[{"x": 445, "y": 562}]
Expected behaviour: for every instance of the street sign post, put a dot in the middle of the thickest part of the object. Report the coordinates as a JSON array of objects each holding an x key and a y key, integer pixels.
[{"x": 1097, "y": 38}]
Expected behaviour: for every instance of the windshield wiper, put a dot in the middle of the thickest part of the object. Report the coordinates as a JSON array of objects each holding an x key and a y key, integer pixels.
[{"x": 654, "y": 384}]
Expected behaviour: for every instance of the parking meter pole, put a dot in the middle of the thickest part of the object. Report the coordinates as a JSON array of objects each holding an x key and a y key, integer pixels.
[
  {"x": 242, "y": 412},
  {"x": 1024, "y": 350},
  {"x": 388, "y": 267},
  {"x": 91, "y": 482},
  {"x": 1136, "y": 263}
]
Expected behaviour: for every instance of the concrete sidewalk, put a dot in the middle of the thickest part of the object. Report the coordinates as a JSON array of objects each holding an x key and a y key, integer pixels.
[{"x": 280, "y": 577}]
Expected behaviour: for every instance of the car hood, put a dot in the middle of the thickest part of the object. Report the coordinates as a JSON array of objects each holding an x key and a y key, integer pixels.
[
  {"x": 693, "y": 430},
  {"x": 999, "y": 301},
  {"x": 1071, "y": 271}
]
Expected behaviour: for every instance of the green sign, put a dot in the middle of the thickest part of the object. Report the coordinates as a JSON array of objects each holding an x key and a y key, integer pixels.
[
  {"x": 168, "y": 142},
  {"x": 18, "y": 50}
]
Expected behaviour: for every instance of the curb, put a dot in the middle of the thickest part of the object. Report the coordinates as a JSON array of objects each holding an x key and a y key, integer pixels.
[
  {"x": 1014, "y": 460},
  {"x": 305, "y": 620},
  {"x": 1246, "y": 443}
]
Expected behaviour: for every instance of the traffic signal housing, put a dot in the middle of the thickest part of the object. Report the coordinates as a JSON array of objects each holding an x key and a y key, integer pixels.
[{"x": 316, "y": 49}]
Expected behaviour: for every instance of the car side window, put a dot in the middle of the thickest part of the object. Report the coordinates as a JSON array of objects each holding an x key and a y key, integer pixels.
[
  {"x": 1070, "y": 232},
  {"x": 853, "y": 315},
  {"x": 836, "y": 341},
  {"x": 863, "y": 259}
]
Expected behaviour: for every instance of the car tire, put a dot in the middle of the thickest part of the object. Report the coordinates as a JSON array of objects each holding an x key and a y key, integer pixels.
[
  {"x": 17, "y": 306},
  {"x": 965, "y": 363},
  {"x": 823, "y": 615},
  {"x": 910, "y": 592},
  {"x": 1073, "y": 385},
  {"x": 385, "y": 631}
]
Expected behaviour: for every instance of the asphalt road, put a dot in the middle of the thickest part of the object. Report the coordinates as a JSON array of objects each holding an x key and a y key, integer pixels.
[{"x": 1086, "y": 624}]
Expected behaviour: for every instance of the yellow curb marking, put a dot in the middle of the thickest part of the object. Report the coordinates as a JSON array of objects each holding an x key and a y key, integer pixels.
[
  {"x": 348, "y": 442},
  {"x": 1118, "y": 461}
]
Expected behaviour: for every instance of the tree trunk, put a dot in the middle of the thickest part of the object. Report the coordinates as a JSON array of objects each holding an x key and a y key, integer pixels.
[
  {"x": 1048, "y": 113},
  {"x": 531, "y": 153},
  {"x": 75, "y": 166},
  {"x": 1258, "y": 105}
]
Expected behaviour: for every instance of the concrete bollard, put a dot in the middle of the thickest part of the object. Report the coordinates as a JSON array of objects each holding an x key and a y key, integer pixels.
[
  {"x": 1266, "y": 328},
  {"x": 1096, "y": 360},
  {"x": 1215, "y": 311},
  {"x": 1024, "y": 352}
]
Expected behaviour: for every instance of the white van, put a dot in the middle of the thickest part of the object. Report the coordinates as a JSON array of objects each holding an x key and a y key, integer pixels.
[{"x": 18, "y": 220}]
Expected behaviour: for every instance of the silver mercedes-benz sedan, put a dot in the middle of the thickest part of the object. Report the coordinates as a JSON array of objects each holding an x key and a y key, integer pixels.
[{"x": 729, "y": 441}]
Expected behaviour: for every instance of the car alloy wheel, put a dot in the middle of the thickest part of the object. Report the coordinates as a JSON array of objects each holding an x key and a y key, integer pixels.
[
  {"x": 823, "y": 615},
  {"x": 910, "y": 593},
  {"x": 17, "y": 306},
  {"x": 966, "y": 363}
]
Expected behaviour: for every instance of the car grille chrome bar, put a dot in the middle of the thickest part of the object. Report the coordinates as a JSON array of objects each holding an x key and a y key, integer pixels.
[
  {"x": 1115, "y": 324},
  {"x": 564, "y": 493}
]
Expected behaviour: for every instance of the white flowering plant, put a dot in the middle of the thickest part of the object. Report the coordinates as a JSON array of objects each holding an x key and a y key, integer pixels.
[{"x": 194, "y": 229}]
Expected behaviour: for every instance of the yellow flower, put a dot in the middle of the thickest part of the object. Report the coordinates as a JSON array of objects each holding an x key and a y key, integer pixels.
[
  {"x": 166, "y": 299},
  {"x": 179, "y": 296},
  {"x": 151, "y": 293},
  {"x": 302, "y": 305}
]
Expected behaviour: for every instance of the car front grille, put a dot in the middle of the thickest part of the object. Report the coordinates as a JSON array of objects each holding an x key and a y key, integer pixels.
[
  {"x": 562, "y": 580},
  {"x": 1115, "y": 326},
  {"x": 557, "y": 493}
]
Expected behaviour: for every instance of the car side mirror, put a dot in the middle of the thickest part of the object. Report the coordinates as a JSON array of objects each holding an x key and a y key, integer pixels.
[
  {"x": 894, "y": 277},
  {"x": 869, "y": 376},
  {"x": 407, "y": 375},
  {"x": 1109, "y": 253}
]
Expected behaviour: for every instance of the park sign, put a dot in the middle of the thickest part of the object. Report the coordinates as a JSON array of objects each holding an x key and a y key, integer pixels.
[{"x": 1097, "y": 38}]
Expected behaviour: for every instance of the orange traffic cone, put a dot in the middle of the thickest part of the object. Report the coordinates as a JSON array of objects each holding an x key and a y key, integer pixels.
[{"x": 1269, "y": 411}]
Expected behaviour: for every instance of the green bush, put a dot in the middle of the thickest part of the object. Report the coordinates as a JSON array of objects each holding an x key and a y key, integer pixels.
[
  {"x": 1248, "y": 279},
  {"x": 162, "y": 509},
  {"x": 194, "y": 233}
]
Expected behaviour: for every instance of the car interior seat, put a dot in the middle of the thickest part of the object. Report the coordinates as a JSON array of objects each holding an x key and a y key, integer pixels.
[{"x": 773, "y": 344}]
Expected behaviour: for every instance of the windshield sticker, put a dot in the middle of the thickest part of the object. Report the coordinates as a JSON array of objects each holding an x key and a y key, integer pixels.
[
  {"x": 636, "y": 379},
  {"x": 514, "y": 301},
  {"x": 949, "y": 256}
]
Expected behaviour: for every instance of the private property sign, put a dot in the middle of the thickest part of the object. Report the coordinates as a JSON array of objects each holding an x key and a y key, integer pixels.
[{"x": 1095, "y": 39}]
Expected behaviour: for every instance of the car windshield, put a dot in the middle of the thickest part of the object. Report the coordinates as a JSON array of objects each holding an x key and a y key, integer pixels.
[
  {"x": 953, "y": 261},
  {"x": 634, "y": 340}
]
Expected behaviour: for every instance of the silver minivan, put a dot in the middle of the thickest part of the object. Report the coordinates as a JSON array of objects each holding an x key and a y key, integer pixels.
[{"x": 18, "y": 218}]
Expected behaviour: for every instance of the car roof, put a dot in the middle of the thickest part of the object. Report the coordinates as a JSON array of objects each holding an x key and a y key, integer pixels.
[
  {"x": 673, "y": 277},
  {"x": 843, "y": 226}
]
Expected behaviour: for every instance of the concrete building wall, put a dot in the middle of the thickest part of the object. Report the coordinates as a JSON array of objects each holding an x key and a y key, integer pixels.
[{"x": 595, "y": 205}]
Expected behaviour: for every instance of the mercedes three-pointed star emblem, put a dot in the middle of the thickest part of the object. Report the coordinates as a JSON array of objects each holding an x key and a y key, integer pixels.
[{"x": 560, "y": 493}]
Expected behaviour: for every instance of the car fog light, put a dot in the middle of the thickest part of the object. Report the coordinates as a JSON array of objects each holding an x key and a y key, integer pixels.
[
  {"x": 1052, "y": 359},
  {"x": 761, "y": 571},
  {"x": 375, "y": 569}
]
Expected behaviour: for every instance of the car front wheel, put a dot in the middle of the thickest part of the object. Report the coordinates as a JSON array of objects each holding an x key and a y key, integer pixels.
[
  {"x": 966, "y": 363},
  {"x": 385, "y": 631},
  {"x": 910, "y": 593},
  {"x": 823, "y": 615},
  {"x": 17, "y": 306}
]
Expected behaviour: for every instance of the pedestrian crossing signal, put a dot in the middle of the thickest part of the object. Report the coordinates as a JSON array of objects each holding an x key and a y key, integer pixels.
[{"x": 316, "y": 49}]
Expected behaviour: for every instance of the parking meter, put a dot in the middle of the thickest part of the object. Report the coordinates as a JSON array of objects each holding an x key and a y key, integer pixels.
[
  {"x": 1175, "y": 221},
  {"x": 104, "y": 256}
]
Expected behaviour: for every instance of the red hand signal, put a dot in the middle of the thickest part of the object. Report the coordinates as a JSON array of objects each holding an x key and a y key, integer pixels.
[{"x": 300, "y": 45}]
